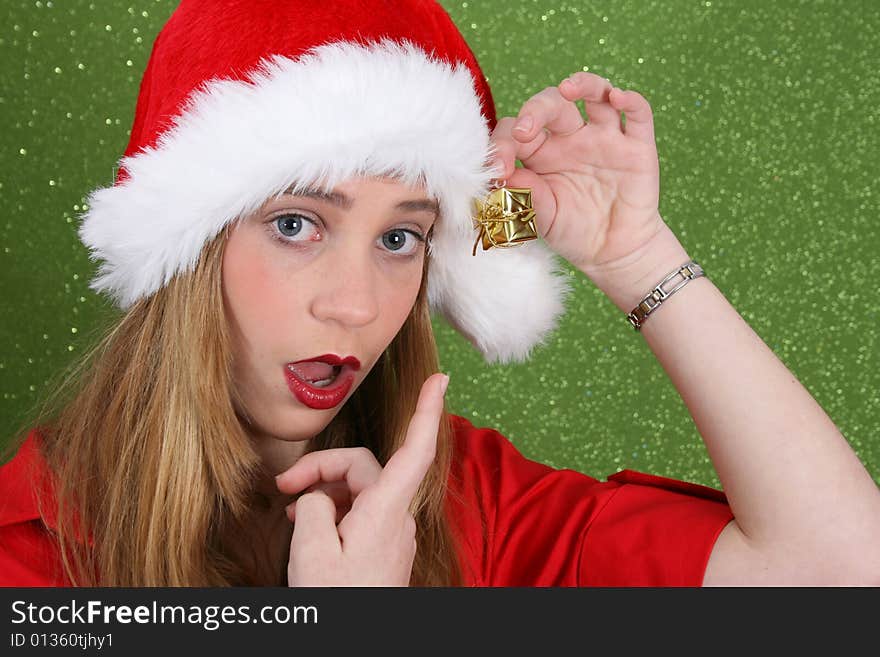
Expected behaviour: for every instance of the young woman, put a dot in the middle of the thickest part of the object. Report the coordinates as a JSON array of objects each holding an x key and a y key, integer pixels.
[{"x": 297, "y": 196}]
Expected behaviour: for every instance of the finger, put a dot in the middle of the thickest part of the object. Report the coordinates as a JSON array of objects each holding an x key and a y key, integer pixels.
[
  {"x": 404, "y": 471},
  {"x": 337, "y": 491},
  {"x": 547, "y": 113},
  {"x": 639, "y": 117},
  {"x": 357, "y": 466},
  {"x": 315, "y": 528},
  {"x": 593, "y": 90},
  {"x": 509, "y": 149},
  {"x": 547, "y": 109}
]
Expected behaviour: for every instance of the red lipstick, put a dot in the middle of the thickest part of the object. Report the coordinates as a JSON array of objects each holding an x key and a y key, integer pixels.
[
  {"x": 331, "y": 359},
  {"x": 322, "y": 397}
]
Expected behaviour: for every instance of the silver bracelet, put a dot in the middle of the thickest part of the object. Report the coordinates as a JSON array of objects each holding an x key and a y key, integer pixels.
[{"x": 688, "y": 271}]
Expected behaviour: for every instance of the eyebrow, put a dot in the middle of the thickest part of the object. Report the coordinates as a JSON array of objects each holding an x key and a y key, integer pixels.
[{"x": 341, "y": 200}]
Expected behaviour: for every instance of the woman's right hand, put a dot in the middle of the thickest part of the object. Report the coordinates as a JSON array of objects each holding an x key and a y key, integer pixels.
[{"x": 373, "y": 543}]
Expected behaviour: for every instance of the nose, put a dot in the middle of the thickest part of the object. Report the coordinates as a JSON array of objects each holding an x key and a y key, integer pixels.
[{"x": 346, "y": 289}]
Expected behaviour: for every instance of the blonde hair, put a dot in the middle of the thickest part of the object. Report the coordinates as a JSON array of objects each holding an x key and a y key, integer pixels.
[{"x": 148, "y": 457}]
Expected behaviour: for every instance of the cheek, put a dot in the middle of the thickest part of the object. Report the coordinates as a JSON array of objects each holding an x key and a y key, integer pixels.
[
  {"x": 250, "y": 285},
  {"x": 399, "y": 296}
]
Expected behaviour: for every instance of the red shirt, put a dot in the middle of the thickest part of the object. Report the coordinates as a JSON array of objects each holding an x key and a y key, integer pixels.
[
  {"x": 546, "y": 527},
  {"x": 519, "y": 522}
]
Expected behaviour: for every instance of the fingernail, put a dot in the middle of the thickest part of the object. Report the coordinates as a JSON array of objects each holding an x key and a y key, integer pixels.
[
  {"x": 444, "y": 384},
  {"x": 524, "y": 124}
]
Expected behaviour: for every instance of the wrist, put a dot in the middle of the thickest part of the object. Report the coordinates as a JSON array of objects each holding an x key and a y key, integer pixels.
[{"x": 627, "y": 280}]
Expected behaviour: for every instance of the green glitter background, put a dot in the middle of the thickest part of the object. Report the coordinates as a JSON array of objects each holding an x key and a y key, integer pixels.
[{"x": 766, "y": 121}]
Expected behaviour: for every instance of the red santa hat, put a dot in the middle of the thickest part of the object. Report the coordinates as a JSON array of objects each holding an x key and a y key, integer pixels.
[{"x": 243, "y": 99}]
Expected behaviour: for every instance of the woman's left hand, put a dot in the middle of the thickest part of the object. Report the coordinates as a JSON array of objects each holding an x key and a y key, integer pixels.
[{"x": 595, "y": 186}]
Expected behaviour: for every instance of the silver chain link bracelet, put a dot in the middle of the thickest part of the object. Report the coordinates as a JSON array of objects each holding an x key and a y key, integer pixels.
[{"x": 688, "y": 271}]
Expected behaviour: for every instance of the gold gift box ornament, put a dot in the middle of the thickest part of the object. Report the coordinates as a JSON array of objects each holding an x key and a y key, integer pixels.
[{"x": 505, "y": 218}]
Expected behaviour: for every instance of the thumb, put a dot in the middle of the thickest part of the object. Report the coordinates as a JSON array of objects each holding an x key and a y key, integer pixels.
[
  {"x": 338, "y": 491},
  {"x": 314, "y": 531}
]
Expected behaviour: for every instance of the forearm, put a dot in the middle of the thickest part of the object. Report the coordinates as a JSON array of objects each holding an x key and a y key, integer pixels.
[{"x": 790, "y": 476}]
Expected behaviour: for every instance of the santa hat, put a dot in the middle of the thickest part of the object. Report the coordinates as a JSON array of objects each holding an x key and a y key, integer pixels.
[{"x": 243, "y": 99}]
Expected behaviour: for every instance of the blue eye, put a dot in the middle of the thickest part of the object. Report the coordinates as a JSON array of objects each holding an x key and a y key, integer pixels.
[
  {"x": 291, "y": 225},
  {"x": 396, "y": 239}
]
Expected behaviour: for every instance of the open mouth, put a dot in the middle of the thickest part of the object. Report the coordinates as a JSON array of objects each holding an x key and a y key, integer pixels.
[
  {"x": 319, "y": 385},
  {"x": 324, "y": 381}
]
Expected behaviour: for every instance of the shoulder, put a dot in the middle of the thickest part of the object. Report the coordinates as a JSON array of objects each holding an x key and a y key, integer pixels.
[
  {"x": 545, "y": 526},
  {"x": 18, "y": 483},
  {"x": 488, "y": 465},
  {"x": 28, "y": 552},
  {"x": 519, "y": 519}
]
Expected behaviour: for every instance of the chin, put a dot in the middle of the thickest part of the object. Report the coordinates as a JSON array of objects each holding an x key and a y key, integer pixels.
[
  {"x": 301, "y": 423},
  {"x": 290, "y": 425}
]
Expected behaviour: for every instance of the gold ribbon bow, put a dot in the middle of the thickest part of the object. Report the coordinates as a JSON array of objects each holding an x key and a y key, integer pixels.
[{"x": 505, "y": 218}]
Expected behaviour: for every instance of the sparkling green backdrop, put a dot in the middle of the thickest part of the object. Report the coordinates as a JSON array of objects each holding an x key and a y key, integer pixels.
[{"x": 766, "y": 122}]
